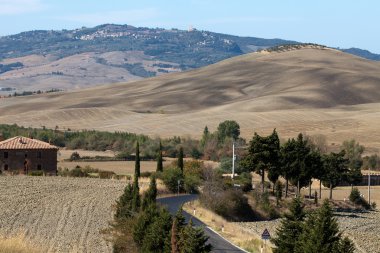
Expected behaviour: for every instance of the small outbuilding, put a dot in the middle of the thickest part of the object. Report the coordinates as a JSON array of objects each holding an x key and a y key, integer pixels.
[{"x": 21, "y": 155}]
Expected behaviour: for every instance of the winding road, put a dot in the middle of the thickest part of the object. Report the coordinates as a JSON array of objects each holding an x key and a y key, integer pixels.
[{"x": 218, "y": 243}]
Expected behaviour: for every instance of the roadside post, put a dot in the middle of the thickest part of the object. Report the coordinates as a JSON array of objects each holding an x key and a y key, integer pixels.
[{"x": 265, "y": 236}]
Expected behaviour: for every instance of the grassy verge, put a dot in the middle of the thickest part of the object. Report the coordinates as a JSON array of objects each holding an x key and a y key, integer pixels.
[
  {"x": 17, "y": 244},
  {"x": 229, "y": 230}
]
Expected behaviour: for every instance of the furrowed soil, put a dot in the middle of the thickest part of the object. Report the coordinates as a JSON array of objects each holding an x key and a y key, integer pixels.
[{"x": 59, "y": 214}]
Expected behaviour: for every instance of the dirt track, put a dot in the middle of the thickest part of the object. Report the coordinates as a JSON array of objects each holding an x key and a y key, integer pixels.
[{"x": 58, "y": 214}]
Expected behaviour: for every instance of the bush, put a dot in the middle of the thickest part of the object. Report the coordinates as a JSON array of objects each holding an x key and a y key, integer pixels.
[
  {"x": 191, "y": 183},
  {"x": 106, "y": 174},
  {"x": 357, "y": 199},
  {"x": 78, "y": 172},
  {"x": 245, "y": 181},
  {"x": 229, "y": 203},
  {"x": 36, "y": 173},
  {"x": 265, "y": 205},
  {"x": 146, "y": 174},
  {"x": 74, "y": 156},
  {"x": 170, "y": 177},
  {"x": 225, "y": 201}
]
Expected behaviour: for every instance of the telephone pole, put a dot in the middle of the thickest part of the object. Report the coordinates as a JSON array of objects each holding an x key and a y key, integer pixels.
[{"x": 233, "y": 160}]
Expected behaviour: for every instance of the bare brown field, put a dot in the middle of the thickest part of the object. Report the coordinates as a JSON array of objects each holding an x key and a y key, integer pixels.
[
  {"x": 66, "y": 153},
  {"x": 315, "y": 91},
  {"x": 58, "y": 214}
]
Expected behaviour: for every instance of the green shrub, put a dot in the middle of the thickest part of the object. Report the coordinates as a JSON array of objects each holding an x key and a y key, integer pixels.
[
  {"x": 191, "y": 183},
  {"x": 357, "y": 199},
  {"x": 170, "y": 177}
]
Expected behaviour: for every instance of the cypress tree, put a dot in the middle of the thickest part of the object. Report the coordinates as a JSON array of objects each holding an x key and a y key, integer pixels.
[
  {"x": 137, "y": 160},
  {"x": 136, "y": 195},
  {"x": 180, "y": 159},
  {"x": 290, "y": 228},
  {"x": 320, "y": 233},
  {"x": 160, "y": 167},
  {"x": 124, "y": 204},
  {"x": 151, "y": 194}
]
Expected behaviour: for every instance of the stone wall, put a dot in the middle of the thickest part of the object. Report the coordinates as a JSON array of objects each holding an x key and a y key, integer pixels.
[{"x": 21, "y": 161}]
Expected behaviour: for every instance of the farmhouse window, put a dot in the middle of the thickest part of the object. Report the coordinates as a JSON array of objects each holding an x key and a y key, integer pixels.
[
  {"x": 5, "y": 154},
  {"x": 5, "y": 166},
  {"x": 39, "y": 154}
]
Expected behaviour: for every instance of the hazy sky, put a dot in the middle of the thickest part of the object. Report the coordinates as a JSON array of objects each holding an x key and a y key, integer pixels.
[{"x": 336, "y": 23}]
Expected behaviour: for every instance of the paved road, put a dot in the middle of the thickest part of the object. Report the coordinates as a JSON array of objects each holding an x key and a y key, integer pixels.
[{"x": 219, "y": 244}]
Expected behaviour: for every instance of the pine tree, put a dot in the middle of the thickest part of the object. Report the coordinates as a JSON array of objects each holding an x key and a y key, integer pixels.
[
  {"x": 290, "y": 228},
  {"x": 151, "y": 194},
  {"x": 136, "y": 195},
  {"x": 137, "y": 160},
  {"x": 263, "y": 153},
  {"x": 193, "y": 240},
  {"x": 335, "y": 167},
  {"x": 320, "y": 233},
  {"x": 124, "y": 204},
  {"x": 160, "y": 167},
  {"x": 157, "y": 232},
  {"x": 180, "y": 159}
]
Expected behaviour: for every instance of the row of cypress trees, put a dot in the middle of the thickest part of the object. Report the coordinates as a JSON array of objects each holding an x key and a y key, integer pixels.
[{"x": 315, "y": 232}]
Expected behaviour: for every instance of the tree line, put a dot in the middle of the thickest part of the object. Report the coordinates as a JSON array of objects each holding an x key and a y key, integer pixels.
[{"x": 299, "y": 161}]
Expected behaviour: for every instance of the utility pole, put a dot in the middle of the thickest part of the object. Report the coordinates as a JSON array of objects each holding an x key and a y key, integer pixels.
[
  {"x": 233, "y": 159},
  {"x": 369, "y": 186}
]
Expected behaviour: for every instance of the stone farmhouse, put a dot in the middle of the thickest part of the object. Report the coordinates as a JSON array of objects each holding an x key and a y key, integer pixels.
[{"x": 21, "y": 155}]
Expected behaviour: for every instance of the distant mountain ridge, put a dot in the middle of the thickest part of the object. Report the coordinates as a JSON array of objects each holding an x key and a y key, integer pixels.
[
  {"x": 67, "y": 59},
  {"x": 190, "y": 49}
]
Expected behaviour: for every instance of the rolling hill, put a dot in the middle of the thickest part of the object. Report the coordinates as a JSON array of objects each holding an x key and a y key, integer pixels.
[
  {"x": 310, "y": 89},
  {"x": 85, "y": 57}
]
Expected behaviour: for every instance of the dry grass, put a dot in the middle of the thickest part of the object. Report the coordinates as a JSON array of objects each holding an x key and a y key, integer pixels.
[
  {"x": 314, "y": 91},
  {"x": 230, "y": 230},
  {"x": 162, "y": 190},
  {"x": 17, "y": 244}
]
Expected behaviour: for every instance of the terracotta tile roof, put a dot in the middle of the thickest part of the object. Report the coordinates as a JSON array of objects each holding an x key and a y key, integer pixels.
[{"x": 20, "y": 142}]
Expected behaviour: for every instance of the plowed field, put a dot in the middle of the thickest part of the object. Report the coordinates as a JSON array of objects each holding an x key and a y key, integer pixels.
[{"x": 58, "y": 214}]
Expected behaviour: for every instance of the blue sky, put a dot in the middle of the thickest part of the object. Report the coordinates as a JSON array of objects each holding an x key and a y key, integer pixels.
[{"x": 335, "y": 23}]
